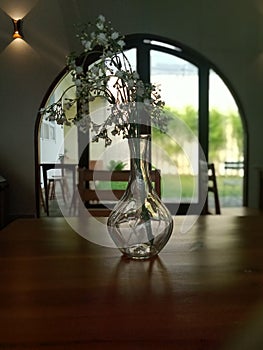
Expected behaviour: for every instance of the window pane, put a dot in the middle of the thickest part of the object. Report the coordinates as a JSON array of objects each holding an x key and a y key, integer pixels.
[
  {"x": 176, "y": 153},
  {"x": 225, "y": 142},
  {"x": 117, "y": 155},
  {"x": 56, "y": 140}
]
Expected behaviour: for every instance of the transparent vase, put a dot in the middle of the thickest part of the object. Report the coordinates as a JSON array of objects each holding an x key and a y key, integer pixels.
[{"x": 140, "y": 224}]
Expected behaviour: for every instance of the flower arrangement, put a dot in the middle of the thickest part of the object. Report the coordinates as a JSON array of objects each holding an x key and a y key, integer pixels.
[{"x": 110, "y": 77}]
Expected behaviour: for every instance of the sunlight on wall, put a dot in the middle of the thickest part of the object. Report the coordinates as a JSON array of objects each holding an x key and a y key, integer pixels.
[{"x": 17, "y": 8}]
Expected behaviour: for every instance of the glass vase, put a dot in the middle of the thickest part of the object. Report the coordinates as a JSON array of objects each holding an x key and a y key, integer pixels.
[{"x": 140, "y": 224}]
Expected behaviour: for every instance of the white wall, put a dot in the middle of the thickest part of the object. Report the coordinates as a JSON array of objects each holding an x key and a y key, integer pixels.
[
  {"x": 228, "y": 32},
  {"x": 52, "y": 145}
]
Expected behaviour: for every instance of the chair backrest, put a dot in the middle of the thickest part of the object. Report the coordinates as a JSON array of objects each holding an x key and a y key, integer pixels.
[
  {"x": 98, "y": 193},
  {"x": 210, "y": 183},
  {"x": 212, "y": 187},
  {"x": 238, "y": 165}
]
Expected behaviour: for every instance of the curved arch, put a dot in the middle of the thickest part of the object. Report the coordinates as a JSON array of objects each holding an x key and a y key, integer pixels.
[{"x": 147, "y": 42}]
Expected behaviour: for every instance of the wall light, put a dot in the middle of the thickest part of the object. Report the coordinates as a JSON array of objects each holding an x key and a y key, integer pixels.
[{"x": 17, "y": 28}]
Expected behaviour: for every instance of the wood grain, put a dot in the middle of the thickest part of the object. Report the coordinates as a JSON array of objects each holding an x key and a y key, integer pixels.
[{"x": 59, "y": 291}]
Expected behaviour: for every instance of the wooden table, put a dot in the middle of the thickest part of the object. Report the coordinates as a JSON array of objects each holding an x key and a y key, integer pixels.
[{"x": 204, "y": 291}]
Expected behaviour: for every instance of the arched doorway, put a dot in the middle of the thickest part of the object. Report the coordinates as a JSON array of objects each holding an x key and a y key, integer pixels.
[{"x": 191, "y": 86}]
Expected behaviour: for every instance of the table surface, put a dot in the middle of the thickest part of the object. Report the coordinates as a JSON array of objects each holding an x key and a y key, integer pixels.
[{"x": 203, "y": 291}]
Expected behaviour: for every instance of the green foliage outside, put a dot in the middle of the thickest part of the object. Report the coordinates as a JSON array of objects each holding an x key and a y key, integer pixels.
[
  {"x": 217, "y": 131},
  {"x": 217, "y": 143},
  {"x": 116, "y": 165},
  {"x": 218, "y": 123},
  {"x": 170, "y": 190},
  {"x": 237, "y": 132}
]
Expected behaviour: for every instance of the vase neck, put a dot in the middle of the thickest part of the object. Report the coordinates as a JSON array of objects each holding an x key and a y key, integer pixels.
[{"x": 139, "y": 152}]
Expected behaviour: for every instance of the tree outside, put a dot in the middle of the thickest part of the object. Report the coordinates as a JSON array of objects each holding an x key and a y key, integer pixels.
[{"x": 225, "y": 144}]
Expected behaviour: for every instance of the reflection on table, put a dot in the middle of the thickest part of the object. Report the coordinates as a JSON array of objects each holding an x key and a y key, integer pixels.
[{"x": 204, "y": 291}]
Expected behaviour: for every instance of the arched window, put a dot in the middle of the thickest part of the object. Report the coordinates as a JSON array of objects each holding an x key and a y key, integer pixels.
[{"x": 193, "y": 90}]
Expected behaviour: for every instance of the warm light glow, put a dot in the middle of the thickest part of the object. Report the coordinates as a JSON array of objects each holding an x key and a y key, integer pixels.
[
  {"x": 17, "y": 29},
  {"x": 16, "y": 35},
  {"x": 17, "y": 9}
]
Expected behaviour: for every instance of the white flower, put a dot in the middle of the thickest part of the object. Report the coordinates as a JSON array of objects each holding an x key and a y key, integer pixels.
[
  {"x": 110, "y": 77},
  {"x": 101, "y": 18},
  {"x": 100, "y": 26},
  {"x": 79, "y": 70},
  {"x": 140, "y": 90},
  {"x": 109, "y": 53},
  {"x": 87, "y": 45},
  {"x": 121, "y": 43},
  {"x": 94, "y": 70},
  {"x": 78, "y": 82},
  {"x": 114, "y": 35},
  {"x": 130, "y": 83},
  {"x": 119, "y": 74},
  {"x": 102, "y": 39},
  {"x": 135, "y": 75}
]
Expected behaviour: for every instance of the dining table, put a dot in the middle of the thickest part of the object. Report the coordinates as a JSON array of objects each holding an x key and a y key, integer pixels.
[
  {"x": 62, "y": 168},
  {"x": 204, "y": 290}
]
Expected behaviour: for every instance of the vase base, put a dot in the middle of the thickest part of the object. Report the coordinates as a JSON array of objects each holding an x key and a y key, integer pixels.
[{"x": 140, "y": 251}]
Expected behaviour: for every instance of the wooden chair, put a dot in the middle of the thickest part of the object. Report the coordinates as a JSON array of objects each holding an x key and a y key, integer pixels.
[
  {"x": 212, "y": 187},
  {"x": 95, "y": 199}
]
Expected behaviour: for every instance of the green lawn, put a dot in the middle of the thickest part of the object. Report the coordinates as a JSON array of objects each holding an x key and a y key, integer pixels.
[
  {"x": 228, "y": 187},
  {"x": 175, "y": 187}
]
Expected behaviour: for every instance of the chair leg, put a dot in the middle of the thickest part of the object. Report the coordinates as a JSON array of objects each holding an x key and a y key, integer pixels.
[
  {"x": 51, "y": 189},
  {"x": 213, "y": 188},
  {"x": 62, "y": 190},
  {"x": 42, "y": 201},
  {"x": 217, "y": 203}
]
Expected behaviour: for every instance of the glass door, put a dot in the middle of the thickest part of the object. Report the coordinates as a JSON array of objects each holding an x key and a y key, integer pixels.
[{"x": 177, "y": 152}]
